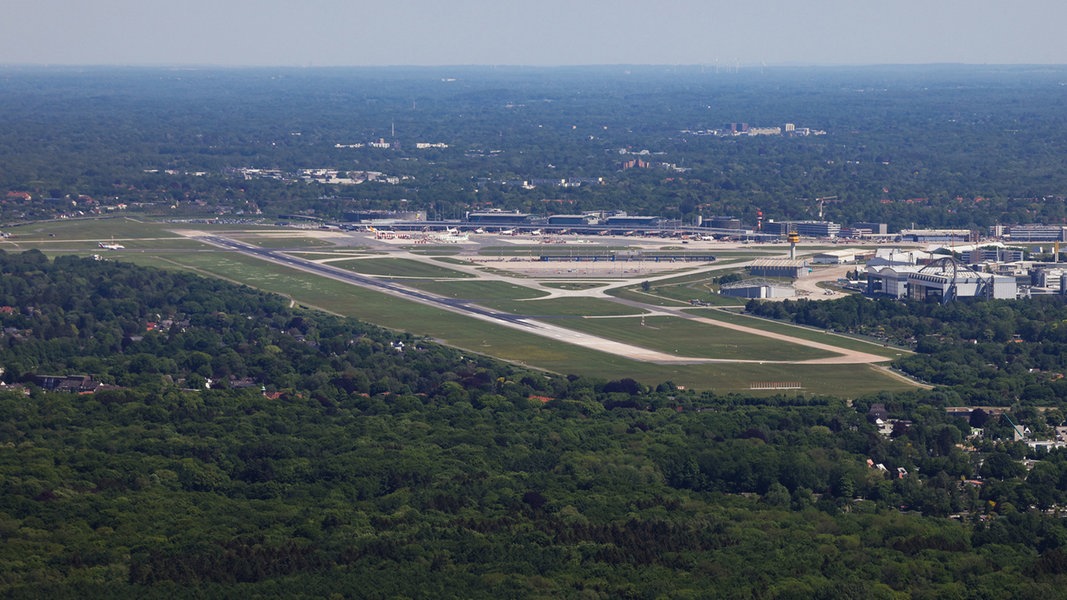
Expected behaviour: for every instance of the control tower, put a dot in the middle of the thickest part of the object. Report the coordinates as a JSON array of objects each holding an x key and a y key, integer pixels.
[{"x": 793, "y": 237}]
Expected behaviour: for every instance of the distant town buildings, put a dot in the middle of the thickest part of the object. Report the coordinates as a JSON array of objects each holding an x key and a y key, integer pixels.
[
  {"x": 744, "y": 129},
  {"x": 326, "y": 176}
]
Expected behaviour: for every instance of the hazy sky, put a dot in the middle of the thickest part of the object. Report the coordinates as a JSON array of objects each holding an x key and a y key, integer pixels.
[{"x": 530, "y": 32}]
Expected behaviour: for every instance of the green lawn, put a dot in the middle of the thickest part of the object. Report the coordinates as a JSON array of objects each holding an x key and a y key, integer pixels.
[
  {"x": 566, "y": 307},
  {"x": 635, "y": 293},
  {"x": 479, "y": 291},
  {"x": 434, "y": 250},
  {"x": 274, "y": 241},
  {"x": 398, "y": 267},
  {"x": 574, "y": 285},
  {"x": 806, "y": 333},
  {"x": 119, "y": 228},
  {"x": 353, "y": 252},
  {"x": 684, "y": 337}
]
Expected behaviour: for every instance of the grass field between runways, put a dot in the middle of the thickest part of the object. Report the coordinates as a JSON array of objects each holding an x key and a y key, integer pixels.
[
  {"x": 684, "y": 337},
  {"x": 514, "y": 345}
]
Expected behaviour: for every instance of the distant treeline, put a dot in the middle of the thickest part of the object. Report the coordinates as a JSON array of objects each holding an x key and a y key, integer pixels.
[{"x": 930, "y": 146}]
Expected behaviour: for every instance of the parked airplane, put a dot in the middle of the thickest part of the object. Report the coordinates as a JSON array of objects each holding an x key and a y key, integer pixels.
[
  {"x": 507, "y": 232},
  {"x": 535, "y": 232}
]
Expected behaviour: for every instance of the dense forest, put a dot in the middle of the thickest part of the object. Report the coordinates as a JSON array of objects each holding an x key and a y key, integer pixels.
[
  {"x": 997, "y": 352},
  {"x": 330, "y": 457},
  {"x": 937, "y": 146}
]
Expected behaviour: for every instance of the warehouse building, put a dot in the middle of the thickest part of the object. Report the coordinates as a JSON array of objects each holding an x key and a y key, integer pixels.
[
  {"x": 757, "y": 288},
  {"x": 778, "y": 267},
  {"x": 889, "y": 281},
  {"x": 834, "y": 257}
]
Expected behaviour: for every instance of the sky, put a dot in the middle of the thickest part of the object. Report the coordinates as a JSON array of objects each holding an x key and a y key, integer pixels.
[{"x": 531, "y": 32}]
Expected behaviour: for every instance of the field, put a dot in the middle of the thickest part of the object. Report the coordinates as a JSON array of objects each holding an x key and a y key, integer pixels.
[
  {"x": 806, "y": 333},
  {"x": 687, "y": 338},
  {"x": 484, "y": 292},
  {"x": 397, "y": 267},
  {"x": 155, "y": 245}
]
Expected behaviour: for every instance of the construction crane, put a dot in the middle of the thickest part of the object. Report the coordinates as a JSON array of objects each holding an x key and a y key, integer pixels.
[
  {"x": 822, "y": 200},
  {"x": 1018, "y": 430}
]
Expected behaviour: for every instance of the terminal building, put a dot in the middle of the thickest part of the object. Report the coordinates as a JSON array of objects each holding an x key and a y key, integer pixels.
[
  {"x": 623, "y": 221},
  {"x": 570, "y": 220},
  {"x": 935, "y": 235},
  {"x": 498, "y": 218},
  {"x": 384, "y": 216},
  {"x": 722, "y": 223}
]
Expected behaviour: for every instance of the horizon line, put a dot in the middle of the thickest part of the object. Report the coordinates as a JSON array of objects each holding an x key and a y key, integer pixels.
[{"x": 724, "y": 67}]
